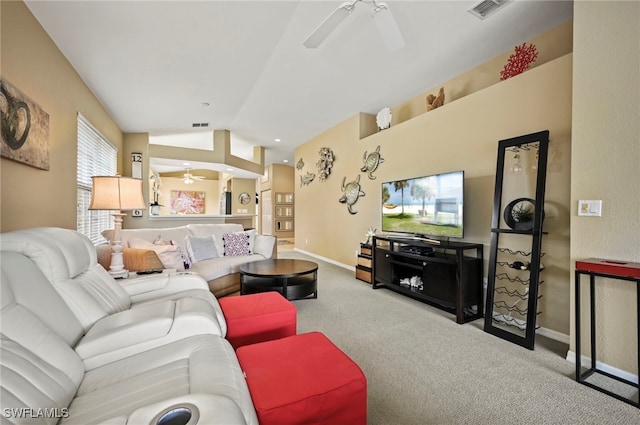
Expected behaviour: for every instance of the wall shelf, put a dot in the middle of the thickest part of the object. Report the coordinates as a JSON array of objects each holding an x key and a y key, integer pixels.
[{"x": 284, "y": 212}]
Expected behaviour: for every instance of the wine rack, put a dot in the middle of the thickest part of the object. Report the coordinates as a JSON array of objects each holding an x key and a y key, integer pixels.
[
  {"x": 515, "y": 264},
  {"x": 513, "y": 293}
]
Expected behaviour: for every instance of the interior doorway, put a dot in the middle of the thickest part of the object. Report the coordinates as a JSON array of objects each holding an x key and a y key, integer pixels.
[{"x": 266, "y": 213}]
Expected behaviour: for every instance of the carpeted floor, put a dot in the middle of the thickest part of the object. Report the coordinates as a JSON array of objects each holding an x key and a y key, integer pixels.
[{"x": 423, "y": 368}]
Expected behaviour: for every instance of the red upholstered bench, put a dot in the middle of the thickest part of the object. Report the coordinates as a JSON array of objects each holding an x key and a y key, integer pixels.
[
  {"x": 258, "y": 317},
  {"x": 304, "y": 379}
]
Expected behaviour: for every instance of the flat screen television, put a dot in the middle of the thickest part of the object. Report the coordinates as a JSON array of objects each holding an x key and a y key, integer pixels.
[{"x": 430, "y": 206}]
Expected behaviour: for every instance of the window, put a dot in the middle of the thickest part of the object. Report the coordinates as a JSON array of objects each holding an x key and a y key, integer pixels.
[{"x": 96, "y": 157}]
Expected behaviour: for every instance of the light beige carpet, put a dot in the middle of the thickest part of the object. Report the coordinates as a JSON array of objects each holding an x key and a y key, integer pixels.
[{"x": 423, "y": 368}]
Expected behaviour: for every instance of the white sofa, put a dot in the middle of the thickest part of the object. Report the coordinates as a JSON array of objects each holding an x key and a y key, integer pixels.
[
  {"x": 221, "y": 273},
  {"x": 76, "y": 350}
]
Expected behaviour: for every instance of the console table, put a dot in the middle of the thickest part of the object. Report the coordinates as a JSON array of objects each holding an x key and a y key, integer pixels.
[
  {"x": 620, "y": 270},
  {"x": 450, "y": 280}
]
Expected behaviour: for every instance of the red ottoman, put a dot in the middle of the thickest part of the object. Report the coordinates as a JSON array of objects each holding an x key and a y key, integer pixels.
[
  {"x": 304, "y": 379},
  {"x": 258, "y": 317}
]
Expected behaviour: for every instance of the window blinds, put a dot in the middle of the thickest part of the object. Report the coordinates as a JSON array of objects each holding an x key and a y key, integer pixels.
[{"x": 96, "y": 157}]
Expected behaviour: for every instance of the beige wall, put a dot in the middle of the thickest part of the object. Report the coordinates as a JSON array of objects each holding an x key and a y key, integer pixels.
[
  {"x": 137, "y": 142},
  {"x": 239, "y": 186},
  {"x": 551, "y": 45},
  {"x": 606, "y": 146},
  {"x": 33, "y": 64},
  {"x": 461, "y": 135}
]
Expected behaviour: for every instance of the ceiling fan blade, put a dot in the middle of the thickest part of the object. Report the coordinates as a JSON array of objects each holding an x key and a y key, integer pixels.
[
  {"x": 388, "y": 28},
  {"x": 329, "y": 25}
]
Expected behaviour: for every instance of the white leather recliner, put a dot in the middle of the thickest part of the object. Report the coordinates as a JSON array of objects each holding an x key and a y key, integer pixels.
[
  {"x": 170, "y": 308},
  {"x": 45, "y": 380}
]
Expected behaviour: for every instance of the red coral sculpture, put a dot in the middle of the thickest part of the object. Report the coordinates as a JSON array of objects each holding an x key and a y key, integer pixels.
[{"x": 519, "y": 61}]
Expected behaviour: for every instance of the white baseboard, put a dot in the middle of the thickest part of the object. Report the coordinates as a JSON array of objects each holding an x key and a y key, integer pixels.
[
  {"x": 571, "y": 358},
  {"x": 327, "y": 260},
  {"x": 555, "y": 335}
]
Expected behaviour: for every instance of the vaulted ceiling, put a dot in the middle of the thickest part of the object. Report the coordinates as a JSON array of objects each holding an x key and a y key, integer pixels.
[{"x": 161, "y": 66}]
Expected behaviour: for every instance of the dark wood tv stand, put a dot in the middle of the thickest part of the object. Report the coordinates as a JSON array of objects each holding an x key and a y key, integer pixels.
[{"x": 451, "y": 281}]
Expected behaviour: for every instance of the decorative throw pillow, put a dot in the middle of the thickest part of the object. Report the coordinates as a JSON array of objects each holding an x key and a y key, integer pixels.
[
  {"x": 236, "y": 244},
  {"x": 201, "y": 249},
  {"x": 185, "y": 257},
  {"x": 252, "y": 237},
  {"x": 169, "y": 255},
  {"x": 160, "y": 241},
  {"x": 186, "y": 261}
]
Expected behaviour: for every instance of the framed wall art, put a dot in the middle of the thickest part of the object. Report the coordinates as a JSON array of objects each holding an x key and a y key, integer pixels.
[
  {"x": 187, "y": 202},
  {"x": 25, "y": 128}
]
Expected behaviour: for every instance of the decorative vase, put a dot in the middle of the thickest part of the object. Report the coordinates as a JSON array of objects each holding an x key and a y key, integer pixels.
[{"x": 512, "y": 221}]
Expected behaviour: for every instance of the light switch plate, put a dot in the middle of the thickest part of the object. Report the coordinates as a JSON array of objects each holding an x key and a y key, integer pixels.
[{"x": 590, "y": 208}]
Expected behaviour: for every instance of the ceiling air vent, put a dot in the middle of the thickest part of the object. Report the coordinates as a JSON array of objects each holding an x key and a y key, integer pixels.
[
  {"x": 200, "y": 124},
  {"x": 488, "y": 7}
]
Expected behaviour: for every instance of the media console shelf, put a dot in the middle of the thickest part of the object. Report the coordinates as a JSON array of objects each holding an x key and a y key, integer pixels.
[{"x": 442, "y": 275}]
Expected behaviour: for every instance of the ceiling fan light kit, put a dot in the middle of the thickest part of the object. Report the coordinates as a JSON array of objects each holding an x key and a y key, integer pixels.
[
  {"x": 384, "y": 21},
  {"x": 190, "y": 178}
]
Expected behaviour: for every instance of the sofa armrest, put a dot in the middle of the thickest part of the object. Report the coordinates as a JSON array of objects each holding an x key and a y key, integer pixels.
[
  {"x": 207, "y": 408},
  {"x": 135, "y": 259},
  {"x": 145, "y": 288},
  {"x": 265, "y": 245}
]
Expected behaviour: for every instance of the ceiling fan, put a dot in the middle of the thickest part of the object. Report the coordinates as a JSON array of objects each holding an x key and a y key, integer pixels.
[
  {"x": 190, "y": 178},
  {"x": 386, "y": 24}
]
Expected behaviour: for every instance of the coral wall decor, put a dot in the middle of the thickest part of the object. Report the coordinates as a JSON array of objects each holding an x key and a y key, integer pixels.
[
  {"x": 519, "y": 61},
  {"x": 325, "y": 163}
]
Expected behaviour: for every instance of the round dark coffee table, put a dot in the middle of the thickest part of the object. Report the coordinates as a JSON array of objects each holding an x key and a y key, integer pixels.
[{"x": 294, "y": 279}]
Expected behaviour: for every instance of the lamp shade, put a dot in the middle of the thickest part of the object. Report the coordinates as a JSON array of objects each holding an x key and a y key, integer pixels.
[{"x": 116, "y": 193}]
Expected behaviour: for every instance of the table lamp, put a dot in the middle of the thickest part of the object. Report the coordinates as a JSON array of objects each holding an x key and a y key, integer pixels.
[{"x": 116, "y": 193}]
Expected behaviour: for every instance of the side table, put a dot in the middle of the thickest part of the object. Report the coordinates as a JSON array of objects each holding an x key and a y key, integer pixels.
[{"x": 620, "y": 270}]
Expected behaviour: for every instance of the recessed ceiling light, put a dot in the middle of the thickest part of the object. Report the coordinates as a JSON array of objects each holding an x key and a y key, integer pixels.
[
  {"x": 229, "y": 169},
  {"x": 285, "y": 160},
  {"x": 277, "y": 140}
]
